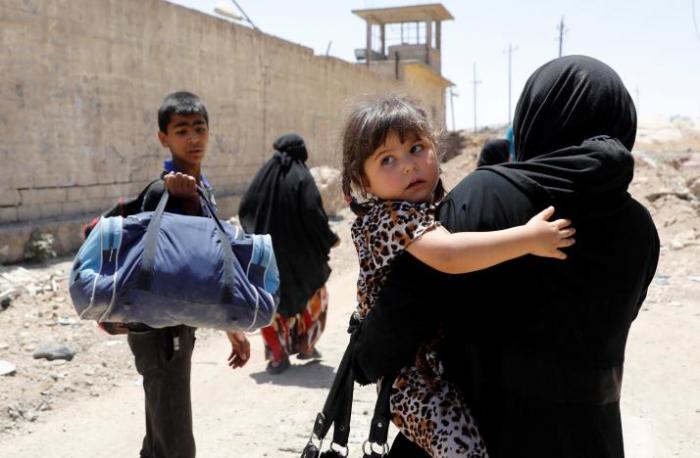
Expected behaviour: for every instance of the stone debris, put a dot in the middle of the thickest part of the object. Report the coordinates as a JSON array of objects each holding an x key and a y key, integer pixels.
[
  {"x": 53, "y": 352},
  {"x": 7, "y": 368},
  {"x": 15, "y": 281}
]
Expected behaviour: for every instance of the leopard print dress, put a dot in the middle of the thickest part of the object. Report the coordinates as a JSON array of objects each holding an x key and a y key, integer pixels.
[{"x": 427, "y": 409}]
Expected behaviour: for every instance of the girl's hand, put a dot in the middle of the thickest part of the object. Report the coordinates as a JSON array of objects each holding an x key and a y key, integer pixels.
[{"x": 546, "y": 237}]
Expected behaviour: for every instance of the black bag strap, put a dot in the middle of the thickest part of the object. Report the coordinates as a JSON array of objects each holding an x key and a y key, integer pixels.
[
  {"x": 145, "y": 275},
  {"x": 337, "y": 409},
  {"x": 376, "y": 445}
]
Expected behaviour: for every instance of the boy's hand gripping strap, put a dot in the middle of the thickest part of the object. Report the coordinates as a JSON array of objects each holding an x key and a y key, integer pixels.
[{"x": 148, "y": 260}]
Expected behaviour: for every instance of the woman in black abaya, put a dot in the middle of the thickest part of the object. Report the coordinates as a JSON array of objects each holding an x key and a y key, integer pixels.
[
  {"x": 538, "y": 346},
  {"x": 283, "y": 201}
]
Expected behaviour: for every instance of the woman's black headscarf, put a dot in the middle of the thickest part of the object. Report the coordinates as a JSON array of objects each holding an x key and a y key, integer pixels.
[
  {"x": 283, "y": 201},
  {"x": 293, "y": 146},
  {"x": 574, "y": 127},
  {"x": 569, "y": 100}
]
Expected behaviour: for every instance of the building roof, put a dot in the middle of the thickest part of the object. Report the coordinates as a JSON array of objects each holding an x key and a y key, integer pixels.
[{"x": 414, "y": 13}]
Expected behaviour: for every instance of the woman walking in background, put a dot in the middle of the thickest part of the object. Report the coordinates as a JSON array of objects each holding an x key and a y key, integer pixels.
[{"x": 283, "y": 201}]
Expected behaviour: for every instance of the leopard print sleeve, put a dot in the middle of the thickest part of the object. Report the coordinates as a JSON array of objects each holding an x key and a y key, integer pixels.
[
  {"x": 394, "y": 226},
  {"x": 382, "y": 234}
]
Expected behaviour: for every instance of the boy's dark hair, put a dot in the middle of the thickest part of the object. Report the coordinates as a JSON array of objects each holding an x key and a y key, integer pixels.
[
  {"x": 366, "y": 130},
  {"x": 180, "y": 103}
]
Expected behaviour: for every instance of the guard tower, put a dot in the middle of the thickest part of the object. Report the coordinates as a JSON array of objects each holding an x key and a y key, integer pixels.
[
  {"x": 404, "y": 43},
  {"x": 404, "y": 33}
]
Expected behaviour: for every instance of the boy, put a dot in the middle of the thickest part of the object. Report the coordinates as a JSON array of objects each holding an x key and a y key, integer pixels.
[{"x": 163, "y": 356}]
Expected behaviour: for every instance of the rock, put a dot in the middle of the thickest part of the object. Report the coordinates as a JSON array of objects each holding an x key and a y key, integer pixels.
[
  {"x": 14, "y": 412},
  {"x": 328, "y": 182},
  {"x": 694, "y": 187},
  {"x": 52, "y": 352},
  {"x": 7, "y": 368},
  {"x": 66, "y": 320},
  {"x": 44, "y": 406}
]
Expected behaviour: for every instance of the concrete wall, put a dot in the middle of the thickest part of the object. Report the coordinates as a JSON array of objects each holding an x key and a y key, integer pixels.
[{"x": 81, "y": 81}]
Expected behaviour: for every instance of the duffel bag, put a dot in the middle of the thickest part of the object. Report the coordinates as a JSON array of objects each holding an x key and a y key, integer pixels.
[{"x": 165, "y": 269}]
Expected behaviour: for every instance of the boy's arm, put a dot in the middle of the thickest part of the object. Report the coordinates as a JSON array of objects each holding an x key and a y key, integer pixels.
[
  {"x": 469, "y": 251},
  {"x": 240, "y": 349},
  {"x": 184, "y": 187}
]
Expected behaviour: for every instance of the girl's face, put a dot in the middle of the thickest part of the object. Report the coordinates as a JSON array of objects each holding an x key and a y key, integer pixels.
[{"x": 405, "y": 170}]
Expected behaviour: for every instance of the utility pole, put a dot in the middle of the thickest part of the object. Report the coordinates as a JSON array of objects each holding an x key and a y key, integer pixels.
[
  {"x": 636, "y": 95},
  {"x": 562, "y": 31},
  {"x": 510, "y": 52},
  {"x": 452, "y": 95},
  {"x": 475, "y": 82}
]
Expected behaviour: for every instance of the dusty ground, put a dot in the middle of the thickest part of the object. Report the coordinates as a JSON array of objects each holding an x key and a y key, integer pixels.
[{"x": 92, "y": 406}]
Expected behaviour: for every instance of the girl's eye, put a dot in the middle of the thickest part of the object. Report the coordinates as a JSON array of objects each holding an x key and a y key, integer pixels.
[
  {"x": 180, "y": 132},
  {"x": 387, "y": 160},
  {"x": 417, "y": 148},
  {"x": 201, "y": 130}
]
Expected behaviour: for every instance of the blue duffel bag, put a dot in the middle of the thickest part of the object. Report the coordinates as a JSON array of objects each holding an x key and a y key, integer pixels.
[{"x": 165, "y": 269}]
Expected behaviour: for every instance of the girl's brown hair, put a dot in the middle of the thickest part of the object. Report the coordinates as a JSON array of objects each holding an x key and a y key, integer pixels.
[{"x": 366, "y": 130}]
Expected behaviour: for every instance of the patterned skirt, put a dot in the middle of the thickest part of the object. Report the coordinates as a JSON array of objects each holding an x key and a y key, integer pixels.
[{"x": 297, "y": 334}]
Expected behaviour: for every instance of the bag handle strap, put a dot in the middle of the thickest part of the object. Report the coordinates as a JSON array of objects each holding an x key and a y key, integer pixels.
[
  {"x": 145, "y": 275},
  {"x": 337, "y": 409},
  {"x": 376, "y": 445}
]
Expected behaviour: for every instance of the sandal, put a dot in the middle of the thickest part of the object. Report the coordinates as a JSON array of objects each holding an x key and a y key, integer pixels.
[
  {"x": 277, "y": 367},
  {"x": 313, "y": 354}
]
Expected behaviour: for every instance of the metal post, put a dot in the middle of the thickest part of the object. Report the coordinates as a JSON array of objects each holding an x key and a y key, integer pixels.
[
  {"x": 475, "y": 82},
  {"x": 561, "y": 35},
  {"x": 452, "y": 107},
  {"x": 510, "y": 52},
  {"x": 428, "y": 40},
  {"x": 368, "y": 46}
]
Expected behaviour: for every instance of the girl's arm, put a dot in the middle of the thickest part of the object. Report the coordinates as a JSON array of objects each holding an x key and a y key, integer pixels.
[{"x": 464, "y": 252}]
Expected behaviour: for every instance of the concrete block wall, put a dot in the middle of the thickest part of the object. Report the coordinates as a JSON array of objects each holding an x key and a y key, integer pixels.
[{"x": 81, "y": 82}]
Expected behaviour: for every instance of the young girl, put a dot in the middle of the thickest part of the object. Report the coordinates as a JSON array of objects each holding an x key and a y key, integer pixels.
[{"x": 390, "y": 157}]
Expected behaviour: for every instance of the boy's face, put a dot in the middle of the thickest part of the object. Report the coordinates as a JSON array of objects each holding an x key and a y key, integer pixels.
[{"x": 187, "y": 137}]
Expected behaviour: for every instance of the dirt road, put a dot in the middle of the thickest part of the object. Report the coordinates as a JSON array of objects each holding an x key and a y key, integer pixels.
[
  {"x": 93, "y": 406},
  {"x": 248, "y": 413}
]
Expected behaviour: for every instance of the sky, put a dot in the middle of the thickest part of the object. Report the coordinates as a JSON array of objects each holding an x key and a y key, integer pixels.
[{"x": 654, "y": 45}]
